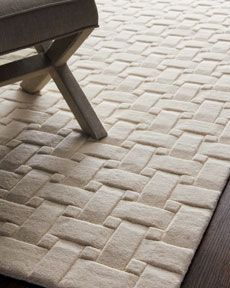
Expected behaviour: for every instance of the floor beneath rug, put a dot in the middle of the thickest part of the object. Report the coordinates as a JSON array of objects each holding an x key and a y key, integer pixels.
[{"x": 130, "y": 210}]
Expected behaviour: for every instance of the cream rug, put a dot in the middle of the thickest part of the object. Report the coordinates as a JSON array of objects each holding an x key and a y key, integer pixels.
[{"x": 130, "y": 210}]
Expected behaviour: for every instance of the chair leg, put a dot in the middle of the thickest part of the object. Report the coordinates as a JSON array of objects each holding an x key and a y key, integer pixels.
[
  {"x": 77, "y": 102},
  {"x": 58, "y": 54},
  {"x": 35, "y": 85}
]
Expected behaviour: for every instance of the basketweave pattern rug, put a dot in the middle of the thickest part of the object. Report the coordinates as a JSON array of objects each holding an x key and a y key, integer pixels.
[{"x": 130, "y": 210}]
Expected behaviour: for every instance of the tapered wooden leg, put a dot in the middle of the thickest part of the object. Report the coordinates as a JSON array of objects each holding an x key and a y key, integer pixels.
[
  {"x": 58, "y": 54},
  {"x": 77, "y": 102},
  {"x": 34, "y": 85}
]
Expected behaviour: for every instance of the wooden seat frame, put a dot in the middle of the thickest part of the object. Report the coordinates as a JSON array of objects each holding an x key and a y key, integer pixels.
[{"x": 50, "y": 62}]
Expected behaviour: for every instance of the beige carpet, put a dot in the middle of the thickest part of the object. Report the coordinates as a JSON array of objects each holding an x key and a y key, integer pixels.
[{"x": 130, "y": 210}]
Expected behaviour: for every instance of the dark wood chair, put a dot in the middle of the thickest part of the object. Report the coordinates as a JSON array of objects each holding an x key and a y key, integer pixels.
[{"x": 56, "y": 28}]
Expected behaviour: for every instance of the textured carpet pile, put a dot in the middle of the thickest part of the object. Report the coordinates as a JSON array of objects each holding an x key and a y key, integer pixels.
[{"x": 130, "y": 210}]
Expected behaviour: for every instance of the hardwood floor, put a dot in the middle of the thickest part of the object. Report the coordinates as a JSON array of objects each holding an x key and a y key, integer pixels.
[
  {"x": 211, "y": 265},
  {"x": 6, "y": 282}
]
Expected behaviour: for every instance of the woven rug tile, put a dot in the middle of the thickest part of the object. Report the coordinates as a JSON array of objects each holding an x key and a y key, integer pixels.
[{"x": 129, "y": 210}]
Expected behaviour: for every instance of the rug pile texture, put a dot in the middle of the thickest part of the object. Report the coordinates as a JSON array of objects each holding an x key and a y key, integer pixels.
[{"x": 130, "y": 210}]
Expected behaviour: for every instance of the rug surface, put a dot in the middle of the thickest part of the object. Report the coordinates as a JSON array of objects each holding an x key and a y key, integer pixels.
[{"x": 130, "y": 210}]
